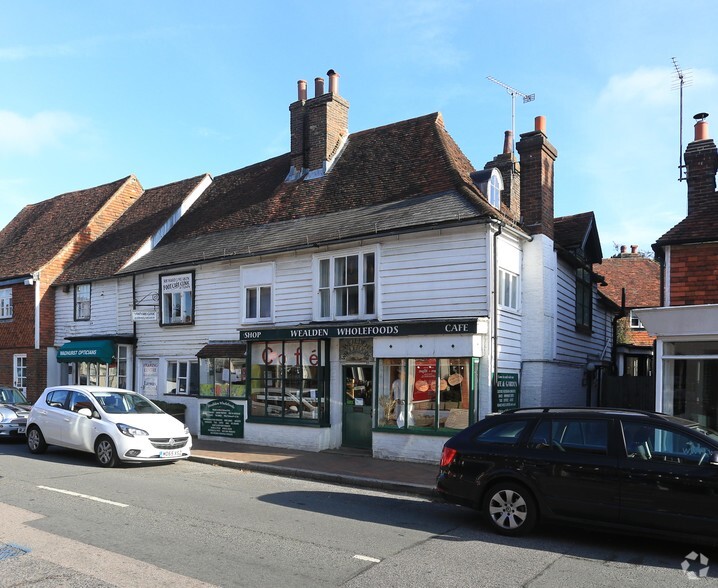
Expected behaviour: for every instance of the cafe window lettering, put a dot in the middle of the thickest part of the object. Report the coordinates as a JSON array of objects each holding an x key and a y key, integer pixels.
[
  {"x": 425, "y": 394},
  {"x": 288, "y": 381},
  {"x": 177, "y": 298},
  {"x": 223, "y": 377},
  {"x": 182, "y": 377}
]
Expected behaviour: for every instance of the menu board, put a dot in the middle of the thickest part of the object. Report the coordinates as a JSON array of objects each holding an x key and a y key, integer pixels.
[{"x": 222, "y": 418}]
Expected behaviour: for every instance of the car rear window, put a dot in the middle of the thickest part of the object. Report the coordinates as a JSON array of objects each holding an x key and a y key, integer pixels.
[{"x": 506, "y": 433}]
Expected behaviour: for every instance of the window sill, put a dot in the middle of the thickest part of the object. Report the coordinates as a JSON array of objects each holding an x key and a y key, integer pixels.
[{"x": 584, "y": 330}]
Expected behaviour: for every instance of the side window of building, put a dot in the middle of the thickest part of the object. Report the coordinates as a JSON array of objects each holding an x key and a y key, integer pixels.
[
  {"x": 660, "y": 443},
  {"x": 83, "y": 293},
  {"x": 182, "y": 377},
  {"x": 347, "y": 286},
  {"x": 257, "y": 286},
  {"x": 572, "y": 436},
  {"x": 635, "y": 321},
  {"x": 6, "y": 303},
  {"x": 508, "y": 289},
  {"x": 177, "y": 298},
  {"x": 584, "y": 299}
]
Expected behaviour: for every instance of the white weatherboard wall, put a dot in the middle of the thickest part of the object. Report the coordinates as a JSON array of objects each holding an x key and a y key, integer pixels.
[{"x": 510, "y": 322}]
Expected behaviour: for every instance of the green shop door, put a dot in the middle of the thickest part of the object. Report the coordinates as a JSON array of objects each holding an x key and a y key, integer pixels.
[{"x": 356, "y": 423}]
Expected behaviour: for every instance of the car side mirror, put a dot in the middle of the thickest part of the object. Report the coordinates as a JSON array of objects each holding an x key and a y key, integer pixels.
[
  {"x": 714, "y": 458},
  {"x": 85, "y": 412}
]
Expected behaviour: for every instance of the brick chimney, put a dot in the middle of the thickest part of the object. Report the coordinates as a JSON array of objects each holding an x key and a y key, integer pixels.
[
  {"x": 319, "y": 128},
  {"x": 507, "y": 164},
  {"x": 701, "y": 160},
  {"x": 537, "y": 157}
]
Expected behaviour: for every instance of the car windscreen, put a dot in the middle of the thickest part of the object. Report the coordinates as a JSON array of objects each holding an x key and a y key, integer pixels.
[
  {"x": 11, "y": 396},
  {"x": 125, "y": 403}
]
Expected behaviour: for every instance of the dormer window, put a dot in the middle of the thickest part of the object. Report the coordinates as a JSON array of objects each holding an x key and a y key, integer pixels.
[{"x": 490, "y": 182}]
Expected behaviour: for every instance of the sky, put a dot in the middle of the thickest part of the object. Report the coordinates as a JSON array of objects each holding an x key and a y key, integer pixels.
[{"x": 170, "y": 89}]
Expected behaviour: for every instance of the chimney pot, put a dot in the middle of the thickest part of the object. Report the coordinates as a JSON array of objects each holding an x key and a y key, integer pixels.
[
  {"x": 701, "y": 129},
  {"x": 623, "y": 248},
  {"x": 508, "y": 142},
  {"x": 302, "y": 90},
  {"x": 333, "y": 82},
  {"x": 540, "y": 124},
  {"x": 634, "y": 248},
  {"x": 318, "y": 87}
]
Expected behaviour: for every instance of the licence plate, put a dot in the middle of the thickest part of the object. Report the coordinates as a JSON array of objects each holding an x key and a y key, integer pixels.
[{"x": 171, "y": 453}]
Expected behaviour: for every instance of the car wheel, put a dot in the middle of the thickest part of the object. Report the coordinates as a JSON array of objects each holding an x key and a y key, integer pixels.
[
  {"x": 35, "y": 440},
  {"x": 511, "y": 509},
  {"x": 105, "y": 452}
]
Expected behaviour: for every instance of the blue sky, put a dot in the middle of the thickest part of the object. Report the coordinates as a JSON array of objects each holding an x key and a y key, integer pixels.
[{"x": 167, "y": 90}]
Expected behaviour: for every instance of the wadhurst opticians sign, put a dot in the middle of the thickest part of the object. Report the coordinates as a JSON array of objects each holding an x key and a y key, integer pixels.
[{"x": 448, "y": 327}]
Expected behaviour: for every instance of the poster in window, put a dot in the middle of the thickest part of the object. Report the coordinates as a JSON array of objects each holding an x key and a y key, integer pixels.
[{"x": 424, "y": 379}]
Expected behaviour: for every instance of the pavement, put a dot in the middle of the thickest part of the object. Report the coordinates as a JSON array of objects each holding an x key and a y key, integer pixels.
[{"x": 348, "y": 467}]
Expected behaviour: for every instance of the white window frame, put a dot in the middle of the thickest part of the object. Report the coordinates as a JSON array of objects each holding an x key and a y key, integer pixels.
[
  {"x": 256, "y": 281},
  {"x": 19, "y": 371},
  {"x": 6, "y": 303},
  {"x": 83, "y": 302},
  {"x": 635, "y": 322},
  {"x": 178, "y": 298},
  {"x": 494, "y": 187},
  {"x": 187, "y": 378},
  {"x": 329, "y": 285},
  {"x": 514, "y": 290}
]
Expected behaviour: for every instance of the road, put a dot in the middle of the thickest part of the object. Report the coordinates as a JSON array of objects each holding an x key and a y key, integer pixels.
[{"x": 191, "y": 524}]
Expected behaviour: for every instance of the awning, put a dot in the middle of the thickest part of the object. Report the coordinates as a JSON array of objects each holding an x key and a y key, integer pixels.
[
  {"x": 231, "y": 350},
  {"x": 100, "y": 350}
]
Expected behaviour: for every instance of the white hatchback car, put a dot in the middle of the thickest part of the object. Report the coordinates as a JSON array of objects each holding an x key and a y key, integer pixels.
[{"x": 116, "y": 425}]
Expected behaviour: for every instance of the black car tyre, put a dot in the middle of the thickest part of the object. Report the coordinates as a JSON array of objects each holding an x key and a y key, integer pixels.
[
  {"x": 511, "y": 509},
  {"x": 105, "y": 452},
  {"x": 35, "y": 440}
]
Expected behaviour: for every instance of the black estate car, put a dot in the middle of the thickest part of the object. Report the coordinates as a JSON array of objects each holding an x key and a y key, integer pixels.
[{"x": 613, "y": 468}]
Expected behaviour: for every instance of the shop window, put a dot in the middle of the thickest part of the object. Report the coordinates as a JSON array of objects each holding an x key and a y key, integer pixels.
[
  {"x": 584, "y": 299},
  {"x": 424, "y": 394},
  {"x": 223, "y": 376},
  {"x": 83, "y": 294},
  {"x": 508, "y": 290},
  {"x": 347, "y": 286},
  {"x": 177, "y": 298},
  {"x": 182, "y": 377},
  {"x": 6, "y": 303},
  {"x": 287, "y": 381},
  {"x": 257, "y": 283}
]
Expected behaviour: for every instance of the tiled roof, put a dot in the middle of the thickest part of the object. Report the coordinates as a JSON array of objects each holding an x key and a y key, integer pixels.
[
  {"x": 40, "y": 231},
  {"x": 699, "y": 226},
  {"x": 398, "y": 176},
  {"x": 108, "y": 253},
  {"x": 640, "y": 276},
  {"x": 578, "y": 231}
]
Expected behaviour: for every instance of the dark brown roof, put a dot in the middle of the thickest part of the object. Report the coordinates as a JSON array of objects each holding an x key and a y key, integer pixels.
[
  {"x": 107, "y": 254},
  {"x": 640, "y": 276},
  {"x": 39, "y": 231},
  {"x": 698, "y": 227},
  {"x": 403, "y": 175},
  {"x": 578, "y": 232}
]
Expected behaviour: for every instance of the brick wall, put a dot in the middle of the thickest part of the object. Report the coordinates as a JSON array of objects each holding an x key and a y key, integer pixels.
[
  {"x": 537, "y": 177},
  {"x": 694, "y": 274}
]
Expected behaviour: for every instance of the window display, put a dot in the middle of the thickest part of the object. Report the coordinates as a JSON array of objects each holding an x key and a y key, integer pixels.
[
  {"x": 223, "y": 376},
  {"x": 425, "y": 393},
  {"x": 287, "y": 380}
]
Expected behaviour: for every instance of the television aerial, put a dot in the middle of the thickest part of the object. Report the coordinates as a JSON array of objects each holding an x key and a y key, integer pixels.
[
  {"x": 683, "y": 78},
  {"x": 514, "y": 92}
]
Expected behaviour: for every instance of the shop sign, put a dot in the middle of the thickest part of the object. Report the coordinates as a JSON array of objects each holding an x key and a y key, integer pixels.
[
  {"x": 222, "y": 418},
  {"x": 397, "y": 329},
  {"x": 506, "y": 396}
]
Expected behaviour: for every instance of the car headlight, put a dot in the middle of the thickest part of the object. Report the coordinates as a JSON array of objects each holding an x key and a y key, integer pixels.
[
  {"x": 5, "y": 416},
  {"x": 131, "y": 431}
]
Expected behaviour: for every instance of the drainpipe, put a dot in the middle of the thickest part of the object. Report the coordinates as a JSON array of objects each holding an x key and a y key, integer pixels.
[
  {"x": 135, "y": 363},
  {"x": 495, "y": 322}
]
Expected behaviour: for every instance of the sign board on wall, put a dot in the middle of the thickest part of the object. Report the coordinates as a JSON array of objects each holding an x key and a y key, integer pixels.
[
  {"x": 507, "y": 394},
  {"x": 222, "y": 418},
  {"x": 144, "y": 315}
]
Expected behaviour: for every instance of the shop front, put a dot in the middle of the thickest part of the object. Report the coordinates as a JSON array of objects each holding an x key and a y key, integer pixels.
[
  {"x": 375, "y": 386},
  {"x": 105, "y": 361}
]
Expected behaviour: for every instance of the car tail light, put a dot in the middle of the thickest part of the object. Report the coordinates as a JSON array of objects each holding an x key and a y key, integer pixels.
[{"x": 447, "y": 456}]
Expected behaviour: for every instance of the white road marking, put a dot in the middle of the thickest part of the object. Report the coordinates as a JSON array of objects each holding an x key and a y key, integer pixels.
[
  {"x": 95, "y": 498},
  {"x": 367, "y": 558}
]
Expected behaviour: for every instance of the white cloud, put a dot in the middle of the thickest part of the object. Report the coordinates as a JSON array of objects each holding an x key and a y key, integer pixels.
[{"x": 28, "y": 135}]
